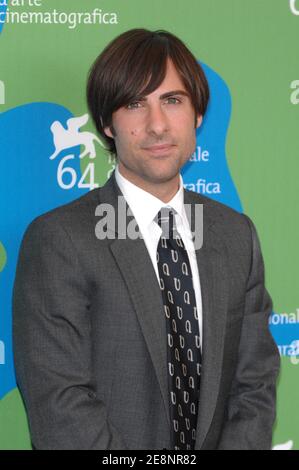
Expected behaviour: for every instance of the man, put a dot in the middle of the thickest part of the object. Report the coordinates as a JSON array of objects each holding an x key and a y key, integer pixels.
[{"x": 147, "y": 342}]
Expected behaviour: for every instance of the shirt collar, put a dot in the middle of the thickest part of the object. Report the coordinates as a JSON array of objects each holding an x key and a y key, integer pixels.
[{"x": 144, "y": 205}]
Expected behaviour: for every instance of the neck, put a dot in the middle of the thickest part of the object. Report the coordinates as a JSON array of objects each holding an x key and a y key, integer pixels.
[{"x": 164, "y": 191}]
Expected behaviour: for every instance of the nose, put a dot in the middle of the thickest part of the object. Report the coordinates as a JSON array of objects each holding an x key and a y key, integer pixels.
[{"x": 157, "y": 122}]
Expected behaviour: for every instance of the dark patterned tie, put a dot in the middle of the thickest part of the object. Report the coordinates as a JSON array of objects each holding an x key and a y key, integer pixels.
[{"x": 183, "y": 340}]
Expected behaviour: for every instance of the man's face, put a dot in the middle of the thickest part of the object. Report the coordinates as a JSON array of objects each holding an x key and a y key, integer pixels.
[{"x": 155, "y": 120}]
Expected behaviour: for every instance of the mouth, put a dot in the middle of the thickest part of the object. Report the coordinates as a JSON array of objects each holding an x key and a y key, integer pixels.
[{"x": 159, "y": 149}]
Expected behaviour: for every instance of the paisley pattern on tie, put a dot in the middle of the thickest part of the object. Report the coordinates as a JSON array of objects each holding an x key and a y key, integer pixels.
[{"x": 183, "y": 340}]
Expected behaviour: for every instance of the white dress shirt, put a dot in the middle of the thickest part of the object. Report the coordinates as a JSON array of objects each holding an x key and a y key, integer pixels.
[{"x": 145, "y": 207}]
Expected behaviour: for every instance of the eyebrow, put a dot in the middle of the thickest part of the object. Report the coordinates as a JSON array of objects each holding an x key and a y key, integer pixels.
[{"x": 166, "y": 95}]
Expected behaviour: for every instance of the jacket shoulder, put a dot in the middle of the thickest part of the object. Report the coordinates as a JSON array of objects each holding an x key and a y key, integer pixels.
[
  {"x": 233, "y": 227},
  {"x": 70, "y": 217},
  {"x": 216, "y": 210}
]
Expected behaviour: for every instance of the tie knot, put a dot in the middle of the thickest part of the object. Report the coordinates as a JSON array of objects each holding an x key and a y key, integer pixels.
[{"x": 165, "y": 218}]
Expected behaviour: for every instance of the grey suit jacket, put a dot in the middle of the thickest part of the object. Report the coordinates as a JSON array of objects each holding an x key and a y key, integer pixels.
[{"x": 90, "y": 334}]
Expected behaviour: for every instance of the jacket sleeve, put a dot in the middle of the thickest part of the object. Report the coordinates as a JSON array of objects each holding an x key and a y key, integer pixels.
[
  {"x": 52, "y": 345},
  {"x": 251, "y": 409}
]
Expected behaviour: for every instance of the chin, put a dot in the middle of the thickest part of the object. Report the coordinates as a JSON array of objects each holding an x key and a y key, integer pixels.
[{"x": 163, "y": 176}]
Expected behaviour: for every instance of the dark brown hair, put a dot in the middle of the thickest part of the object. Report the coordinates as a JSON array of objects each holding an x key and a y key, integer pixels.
[{"x": 134, "y": 64}]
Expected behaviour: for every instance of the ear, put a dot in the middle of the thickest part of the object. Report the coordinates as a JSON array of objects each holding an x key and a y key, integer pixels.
[
  {"x": 199, "y": 121},
  {"x": 108, "y": 132}
]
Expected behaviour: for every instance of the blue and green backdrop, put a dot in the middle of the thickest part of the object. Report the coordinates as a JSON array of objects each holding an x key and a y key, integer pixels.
[{"x": 246, "y": 154}]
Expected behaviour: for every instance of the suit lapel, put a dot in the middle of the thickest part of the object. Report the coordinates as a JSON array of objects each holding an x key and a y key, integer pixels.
[
  {"x": 136, "y": 266},
  {"x": 139, "y": 275}
]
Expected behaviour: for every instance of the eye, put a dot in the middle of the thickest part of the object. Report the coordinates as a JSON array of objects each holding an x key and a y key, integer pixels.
[
  {"x": 174, "y": 98},
  {"x": 132, "y": 105}
]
